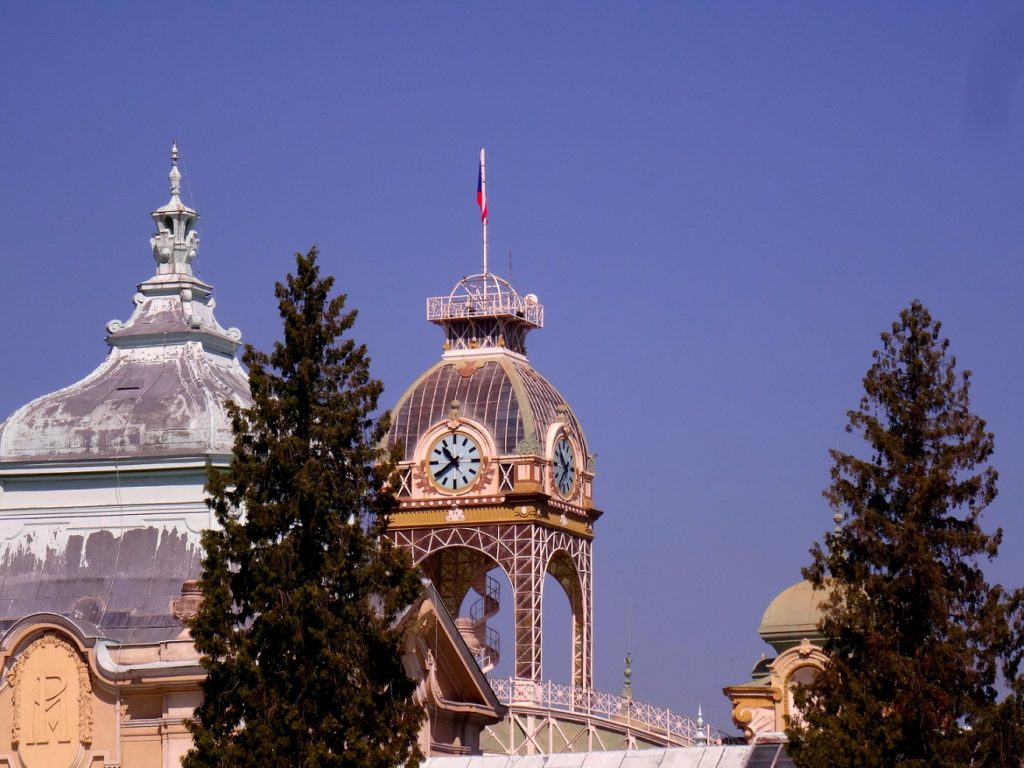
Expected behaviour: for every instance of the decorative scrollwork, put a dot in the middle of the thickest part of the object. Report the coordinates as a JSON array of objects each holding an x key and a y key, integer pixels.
[
  {"x": 191, "y": 247},
  {"x": 529, "y": 446},
  {"x": 163, "y": 247},
  {"x": 454, "y": 416}
]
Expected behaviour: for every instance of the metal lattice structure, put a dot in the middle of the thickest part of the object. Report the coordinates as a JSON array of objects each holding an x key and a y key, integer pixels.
[
  {"x": 485, "y": 295},
  {"x": 549, "y": 717},
  {"x": 512, "y": 514},
  {"x": 485, "y": 311},
  {"x": 453, "y": 556}
]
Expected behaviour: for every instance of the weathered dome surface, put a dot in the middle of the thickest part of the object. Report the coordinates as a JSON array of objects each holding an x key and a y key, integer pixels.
[
  {"x": 172, "y": 403},
  {"x": 163, "y": 387},
  {"x": 124, "y": 581},
  {"x": 500, "y": 391},
  {"x": 71, "y": 543},
  {"x": 132, "y": 405},
  {"x": 793, "y": 614}
]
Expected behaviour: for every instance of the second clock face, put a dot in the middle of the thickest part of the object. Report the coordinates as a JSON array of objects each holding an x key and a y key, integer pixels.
[
  {"x": 454, "y": 461},
  {"x": 565, "y": 467}
]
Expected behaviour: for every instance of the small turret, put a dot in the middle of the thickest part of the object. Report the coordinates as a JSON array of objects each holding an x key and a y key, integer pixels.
[
  {"x": 170, "y": 368},
  {"x": 175, "y": 243}
]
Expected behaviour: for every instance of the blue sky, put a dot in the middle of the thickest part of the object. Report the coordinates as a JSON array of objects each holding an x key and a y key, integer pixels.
[{"x": 720, "y": 206}]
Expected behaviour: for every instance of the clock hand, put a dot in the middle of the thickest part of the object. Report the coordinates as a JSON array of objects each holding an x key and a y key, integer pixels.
[{"x": 444, "y": 470}]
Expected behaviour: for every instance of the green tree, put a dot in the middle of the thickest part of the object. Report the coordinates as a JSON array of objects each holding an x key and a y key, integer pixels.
[
  {"x": 301, "y": 594},
  {"x": 914, "y": 629}
]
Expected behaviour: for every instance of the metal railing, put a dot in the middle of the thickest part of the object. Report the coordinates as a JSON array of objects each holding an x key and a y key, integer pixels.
[
  {"x": 489, "y": 603},
  {"x": 520, "y": 692},
  {"x": 498, "y": 304},
  {"x": 489, "y": 653}
]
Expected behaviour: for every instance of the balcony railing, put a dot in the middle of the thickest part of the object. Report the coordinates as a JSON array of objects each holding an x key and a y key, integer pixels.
[
  {"x": 485, "y": 295},
  {"x": 499, "y": 305},
  {"x": 519, "y": 692}
]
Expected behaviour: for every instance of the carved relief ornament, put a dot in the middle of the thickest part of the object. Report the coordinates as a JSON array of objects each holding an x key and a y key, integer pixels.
[{"x": 52, "y": 703}]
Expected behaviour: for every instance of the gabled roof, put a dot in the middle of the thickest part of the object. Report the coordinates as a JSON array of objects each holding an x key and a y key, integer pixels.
[{"x": 455, "y": 681}]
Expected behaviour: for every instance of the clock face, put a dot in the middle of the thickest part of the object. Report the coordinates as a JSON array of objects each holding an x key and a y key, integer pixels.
[
  {"x": 565, "y": 467},
  {"x": 454, "y": 461}
]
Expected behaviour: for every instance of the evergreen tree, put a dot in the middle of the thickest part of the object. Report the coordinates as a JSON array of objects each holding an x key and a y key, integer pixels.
[
  {"x": 914, "y": 630},
  {"x": 301, "y": 594}
]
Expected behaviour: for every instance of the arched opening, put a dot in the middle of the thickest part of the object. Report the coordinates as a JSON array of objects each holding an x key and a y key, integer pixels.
[
  {"x": 564, "y": 643},
  {"x": 804, "y": 675},
  {"x": 500, "y": 626},
  {"x": 472, "y": 587},
  {"x": 557, "y": 637}
]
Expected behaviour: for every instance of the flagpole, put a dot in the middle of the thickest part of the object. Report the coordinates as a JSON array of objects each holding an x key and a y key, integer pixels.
[{"x": 483, "y": 190}]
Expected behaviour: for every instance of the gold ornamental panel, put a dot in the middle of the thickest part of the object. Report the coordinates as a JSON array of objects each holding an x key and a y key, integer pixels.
[
  {"x": 445, "y": 512},
  {"x": 52, "y": 696}
]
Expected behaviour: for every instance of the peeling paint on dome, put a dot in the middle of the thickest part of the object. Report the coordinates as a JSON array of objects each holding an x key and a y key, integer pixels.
[
  {"x": 102, "y": 494},
  {"x": 163, "y": 387},
  {"x": 122, "y": 581}
]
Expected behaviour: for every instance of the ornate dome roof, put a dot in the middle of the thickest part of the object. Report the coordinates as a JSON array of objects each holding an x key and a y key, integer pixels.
[
  {"x": 498, "y": 390},
  {"x": 163, "y": 387},
  {"x": 484, "y": 372},
  {"x": 793, "y": 615}
]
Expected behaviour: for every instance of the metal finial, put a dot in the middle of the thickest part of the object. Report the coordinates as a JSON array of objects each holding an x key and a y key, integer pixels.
[
  {"x": 701, "y": 738},
  {"x": 627, "y": 686},
  {"x": 175, "y": 175}
]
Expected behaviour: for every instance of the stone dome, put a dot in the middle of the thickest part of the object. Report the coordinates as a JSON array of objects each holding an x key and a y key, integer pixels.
[
  {"x": 499, "y": 390},
  {"x": 102, "y": 498},
  {"x": 793, "y": 615},
  {"x": 163, "y": 387},
  {"x": 171, "y": 403}
]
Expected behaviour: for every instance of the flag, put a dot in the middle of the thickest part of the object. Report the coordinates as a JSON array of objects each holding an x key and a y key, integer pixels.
[{"x": 481, "y": 189}]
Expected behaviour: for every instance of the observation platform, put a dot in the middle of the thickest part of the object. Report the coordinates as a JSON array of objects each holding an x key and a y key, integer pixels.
[{"x": 485, "y": 295}]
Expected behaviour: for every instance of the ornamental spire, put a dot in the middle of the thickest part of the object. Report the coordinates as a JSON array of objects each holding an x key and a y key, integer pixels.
[
  {"x": 701, "y": 737},
  {"x": 627, "y": 686},
  {"x": 175, "y": 175},
  {"x": 175, "y": 242}
]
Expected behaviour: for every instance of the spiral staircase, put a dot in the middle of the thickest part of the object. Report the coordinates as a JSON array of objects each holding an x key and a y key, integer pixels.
[{"x": 483, "y": 640}]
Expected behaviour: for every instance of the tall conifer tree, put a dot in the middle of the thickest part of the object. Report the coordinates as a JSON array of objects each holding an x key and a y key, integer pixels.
[
  {"x": 301, "y": 594},
  {"x": 913, "y": 627}
]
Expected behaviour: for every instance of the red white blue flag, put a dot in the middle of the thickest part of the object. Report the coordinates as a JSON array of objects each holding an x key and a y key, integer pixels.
[{"x": 481, "y": 189}]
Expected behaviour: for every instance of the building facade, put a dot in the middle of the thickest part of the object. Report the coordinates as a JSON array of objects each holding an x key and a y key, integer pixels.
[
  {"x": 764, "y": 704},
  {"x": 497, "y": 479},
  {"x": 102, "y": 503}
]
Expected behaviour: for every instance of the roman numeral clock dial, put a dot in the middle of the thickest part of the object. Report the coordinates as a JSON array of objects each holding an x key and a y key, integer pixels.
[{"x": 454, "y": 461}]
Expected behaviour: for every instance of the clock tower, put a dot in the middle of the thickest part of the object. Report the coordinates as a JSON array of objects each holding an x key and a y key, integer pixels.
[{"x": 495, "y": 473}]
